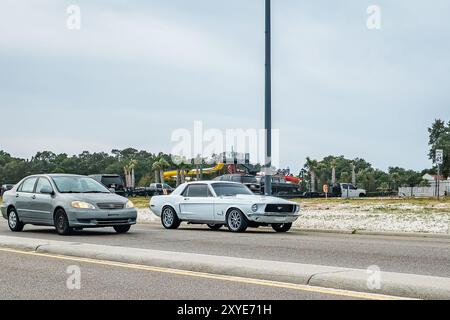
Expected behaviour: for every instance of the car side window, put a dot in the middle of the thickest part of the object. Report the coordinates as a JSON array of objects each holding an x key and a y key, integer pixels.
[
  {"x": 345, "y": 186},
  {"x": 43, "y": 183},
  {"x": 197, "y": 191},
  {"x": 236, "y": 178},
  {"x": 28, "y": 185}
]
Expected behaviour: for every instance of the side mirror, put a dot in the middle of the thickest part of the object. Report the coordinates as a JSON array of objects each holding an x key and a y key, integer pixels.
[{"x": 47, "y": 190}]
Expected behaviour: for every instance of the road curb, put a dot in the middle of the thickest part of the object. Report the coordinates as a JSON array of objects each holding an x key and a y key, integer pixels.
[
  {"x": 394, "y": 284},
  {"x": 378, "y": 233}
]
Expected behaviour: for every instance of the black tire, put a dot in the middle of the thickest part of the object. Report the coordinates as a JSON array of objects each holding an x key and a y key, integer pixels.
[
  {"x": 169, "y": 218},
  {"x": 362, "y": 195},
  {"x": 281, "y": 227},
  {"x": 62, "y": 223},
  {"x": 122, "y": 229},
  {"x": 14, "y": 223},
  {"x": 214, "y": 226},
  {"x": 236, "y": 221}
]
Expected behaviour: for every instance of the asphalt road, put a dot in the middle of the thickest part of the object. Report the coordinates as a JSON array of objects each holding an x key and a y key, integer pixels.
[
  {"x": 424, "y": 256},
  {"x": 31, "y": 277}
]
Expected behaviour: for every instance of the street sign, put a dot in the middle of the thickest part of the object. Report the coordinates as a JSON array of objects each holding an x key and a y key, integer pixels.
[{"x": 439, "y": 156}]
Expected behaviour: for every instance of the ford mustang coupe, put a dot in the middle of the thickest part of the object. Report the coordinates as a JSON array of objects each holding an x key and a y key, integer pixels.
[{"x": 219, "y": 203}]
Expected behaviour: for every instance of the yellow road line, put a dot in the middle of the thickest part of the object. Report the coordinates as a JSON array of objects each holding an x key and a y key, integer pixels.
[{"x": 267, "y": 283}]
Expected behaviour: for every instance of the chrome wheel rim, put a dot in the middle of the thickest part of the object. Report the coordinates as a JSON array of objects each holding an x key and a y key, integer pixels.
[
  {"x": 168, "y": 217},
  {"x": 234, "y": 220},
  {"x": 12, "y": 219}
]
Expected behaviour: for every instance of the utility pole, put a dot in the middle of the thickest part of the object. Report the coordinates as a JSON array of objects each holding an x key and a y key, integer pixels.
[
  {"x": 268, "y": 106},
  {"x": 439, "y": 158}
]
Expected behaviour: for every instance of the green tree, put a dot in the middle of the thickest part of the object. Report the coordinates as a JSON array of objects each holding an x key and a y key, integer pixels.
[{"x": 439, "y": 138}]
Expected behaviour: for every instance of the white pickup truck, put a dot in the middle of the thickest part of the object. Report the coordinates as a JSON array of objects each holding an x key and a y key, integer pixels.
[{"x": 348, "y": 190}]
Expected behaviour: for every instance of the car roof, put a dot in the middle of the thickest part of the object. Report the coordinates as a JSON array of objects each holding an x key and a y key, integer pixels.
[
  {"x": 52, "y": 175},
  {"x": 212, "y": 182}
]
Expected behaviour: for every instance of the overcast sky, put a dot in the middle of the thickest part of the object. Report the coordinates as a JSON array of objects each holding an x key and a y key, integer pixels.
[{"x": 137, "y": 70}]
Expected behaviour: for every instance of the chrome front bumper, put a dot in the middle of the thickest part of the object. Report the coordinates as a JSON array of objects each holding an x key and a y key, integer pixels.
[{"x": 272, "y": 217}]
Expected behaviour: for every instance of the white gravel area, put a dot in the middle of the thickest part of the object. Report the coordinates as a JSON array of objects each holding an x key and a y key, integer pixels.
[{"x": 401, "y": 218}]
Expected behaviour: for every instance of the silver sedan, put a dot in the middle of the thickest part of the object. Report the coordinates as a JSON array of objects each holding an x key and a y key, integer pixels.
[{"x": 67, "y": 202}]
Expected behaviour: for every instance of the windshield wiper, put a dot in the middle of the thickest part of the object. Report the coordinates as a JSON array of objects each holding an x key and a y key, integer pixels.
[{"x": 70, "y": 192}]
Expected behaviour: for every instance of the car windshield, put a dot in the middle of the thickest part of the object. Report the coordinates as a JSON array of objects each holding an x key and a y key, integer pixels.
[
  {"x": 230, "y": 189},
  {"x": 78, "y": 185}
]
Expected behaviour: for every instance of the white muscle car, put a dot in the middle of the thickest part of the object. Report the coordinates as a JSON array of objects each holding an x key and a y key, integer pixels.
[{"x": 219, "y": 203}]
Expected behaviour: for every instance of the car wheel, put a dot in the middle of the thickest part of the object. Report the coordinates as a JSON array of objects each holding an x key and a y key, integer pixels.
[
  {"x": 122, "y": 229},
  {"x": 214, "y": 226},
  {"x": 13, "y": 221},
  {"x": 236, "y": 221},
  {"x": 362, "y": 195},
  {"x": 62, "y": 223},
  {"x": 169, "y": 218},
  {"x": 282, "y": 227}
]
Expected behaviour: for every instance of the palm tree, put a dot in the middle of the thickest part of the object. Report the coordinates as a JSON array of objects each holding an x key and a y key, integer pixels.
[
  {"x": 333, "y": 171},
  {"x": 129, "y": 173},
  {"x": 312, "y": 165},
  {"x": 353, "y": 174},
  {"x": 163, "y": 165},
  {"x": 156, "y": 168}
]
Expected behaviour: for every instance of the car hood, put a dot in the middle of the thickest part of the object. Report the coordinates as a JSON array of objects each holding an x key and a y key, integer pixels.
[
  {"x": 260, "y": 199},
  {"x": 96, "y": 197}
]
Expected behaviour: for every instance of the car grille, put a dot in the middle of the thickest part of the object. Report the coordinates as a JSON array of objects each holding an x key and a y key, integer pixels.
[
  {"x": 280, "y": 208},
  {"x": 108, "y": 222},
  {"x": 110, "y": 206}
]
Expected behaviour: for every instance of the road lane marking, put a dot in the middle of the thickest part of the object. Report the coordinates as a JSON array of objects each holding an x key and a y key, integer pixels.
[{"x": 267, "y": 283}]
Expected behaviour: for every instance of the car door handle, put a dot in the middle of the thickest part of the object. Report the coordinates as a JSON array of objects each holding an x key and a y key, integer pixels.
[
  {"x": 17, "y": 195},
  {"x": 33, "y": 196},
  {"x": 186, "y": 199}
]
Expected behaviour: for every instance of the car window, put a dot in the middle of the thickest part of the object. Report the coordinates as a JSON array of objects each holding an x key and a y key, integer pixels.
[
  {"x": 345, "y": 186},
  {"x": 112, "y": 180},
  {"x": 230, "y": 189},
  {"x": 249, "y": 179},
  {"x": 236, "y": 178},
  {"x": 197, "y": 191},
  {"x": 43, "y": 183},
  {"x": 28, "y": 185}
]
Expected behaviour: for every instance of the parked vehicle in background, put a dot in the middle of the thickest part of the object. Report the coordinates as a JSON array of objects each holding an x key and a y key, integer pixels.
[
  {"x": 347, "y": 190},
  {"x": 246, "y": 179},
  {"x": 281, "y": 188},
  {"x": 5, "y": 188},
  {"x": 159, "y": 189},
  {"x": 67, "y": 202},
  {"x": 219, "y": 203},
  {"x": 112, "y": 181}
]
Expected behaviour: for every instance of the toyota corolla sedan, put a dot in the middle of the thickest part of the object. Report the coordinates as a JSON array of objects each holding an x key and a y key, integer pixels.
[
  {"x": 219, "y": 203},
  {"x": 67, "y": 202}
]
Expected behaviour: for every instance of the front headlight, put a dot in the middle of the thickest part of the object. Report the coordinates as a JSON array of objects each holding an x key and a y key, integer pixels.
[
  {"x": 129, "y": 205},
  {"x": 82, "y": 205},
  {"x": 254, "y": 207}
]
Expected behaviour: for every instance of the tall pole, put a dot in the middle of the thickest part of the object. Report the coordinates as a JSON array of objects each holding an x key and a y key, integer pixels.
[{"x": 268, "y": 106}]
